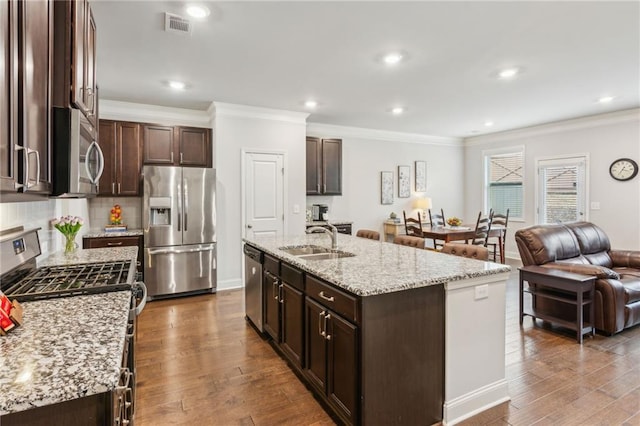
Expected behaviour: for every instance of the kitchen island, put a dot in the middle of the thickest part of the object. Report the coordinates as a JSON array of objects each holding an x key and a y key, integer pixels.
[
  {"x": 62, "y": 364},
  {"x": 391, "y": 334}
]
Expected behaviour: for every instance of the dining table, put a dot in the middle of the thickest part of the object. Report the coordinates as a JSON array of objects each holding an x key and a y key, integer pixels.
[{"x": 461, "y": 233}]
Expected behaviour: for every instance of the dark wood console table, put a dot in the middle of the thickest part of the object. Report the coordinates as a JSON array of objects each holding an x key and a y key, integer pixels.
[{"x": 565, "y": 287}]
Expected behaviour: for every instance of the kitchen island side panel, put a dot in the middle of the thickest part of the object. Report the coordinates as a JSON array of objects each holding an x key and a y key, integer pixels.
[{"x": 403, "y": 357}]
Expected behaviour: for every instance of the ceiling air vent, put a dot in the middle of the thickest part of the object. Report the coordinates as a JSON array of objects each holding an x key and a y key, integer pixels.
[{"x": 176, "y": 24}]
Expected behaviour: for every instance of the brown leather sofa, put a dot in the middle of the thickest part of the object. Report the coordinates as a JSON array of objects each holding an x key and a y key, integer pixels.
[{"x": 584, "y": 248}]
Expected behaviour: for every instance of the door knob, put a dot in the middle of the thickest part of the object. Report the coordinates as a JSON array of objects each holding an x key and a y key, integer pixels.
[{"x": 249, "y": 226}]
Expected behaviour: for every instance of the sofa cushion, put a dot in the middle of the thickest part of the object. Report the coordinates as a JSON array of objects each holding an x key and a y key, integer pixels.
[
  {"x": 631, "y": 288},
  {"x": 594, "y": 243},
  {"x": 548, "y": 243}
]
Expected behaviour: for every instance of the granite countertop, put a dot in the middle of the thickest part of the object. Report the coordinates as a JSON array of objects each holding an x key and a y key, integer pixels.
[
  {"x": 378, "y": 267},
  {"x": 67, "y": 348},
  {"x": 324, "y": 222},
  {"x": 111, "y": 254},
  {"x": 100, "y": 233}
]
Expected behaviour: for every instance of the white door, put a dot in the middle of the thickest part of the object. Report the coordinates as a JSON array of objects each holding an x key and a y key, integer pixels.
[
  {"x": 264, "y": 194},
  {"x": 562, "y": 190}
]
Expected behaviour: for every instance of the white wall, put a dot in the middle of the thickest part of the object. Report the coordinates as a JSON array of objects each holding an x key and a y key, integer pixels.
[
  {"x": 237, "y": 128},
  {"x": 365, "y": 153},
  {"x": 604, "y": 138}
]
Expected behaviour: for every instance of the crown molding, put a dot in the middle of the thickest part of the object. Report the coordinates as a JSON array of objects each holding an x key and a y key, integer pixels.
[
  {"x": 558, "y": 126},
  {"x": 129, "y": 111},
  {"x": 330, "y": 130},
  {"x": 222, "y": 109}
]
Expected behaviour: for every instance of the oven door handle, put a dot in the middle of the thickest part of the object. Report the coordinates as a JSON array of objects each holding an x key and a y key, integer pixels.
[{"x": 142, "y": 304}]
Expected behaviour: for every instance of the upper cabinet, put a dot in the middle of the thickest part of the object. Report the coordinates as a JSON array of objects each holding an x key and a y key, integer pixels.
[
  {"x": 75, "y": 61},
  {"x": 324, "y": 166},
  {"x": 121, "y": 143},
  {"x": 25, "y": 84},
  {"x": 177, "y": 146}
]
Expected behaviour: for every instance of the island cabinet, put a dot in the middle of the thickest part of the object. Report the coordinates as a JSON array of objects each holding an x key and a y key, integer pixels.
[
  {"x": 324, "y": 166},
  {"x": 372, "y": 359},
  {"x": 284, "y": 308},
  {"x": 177, "y": 146}
]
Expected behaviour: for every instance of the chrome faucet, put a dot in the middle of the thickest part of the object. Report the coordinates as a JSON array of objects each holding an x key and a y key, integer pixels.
[{"x": 333, "y": 233}]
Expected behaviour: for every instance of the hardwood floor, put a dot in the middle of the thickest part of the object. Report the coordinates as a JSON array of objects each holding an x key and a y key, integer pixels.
[{"x": 200, "y": 363}]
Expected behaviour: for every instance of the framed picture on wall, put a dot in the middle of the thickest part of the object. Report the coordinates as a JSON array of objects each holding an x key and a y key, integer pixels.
[
  {"x": 421, "y": 176},
  {"x": 404, "y": 181},
  {"x": 386, "y": 187}
]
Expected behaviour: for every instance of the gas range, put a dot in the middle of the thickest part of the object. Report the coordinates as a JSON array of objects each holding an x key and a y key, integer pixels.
[{"x": 20, "y": 278}]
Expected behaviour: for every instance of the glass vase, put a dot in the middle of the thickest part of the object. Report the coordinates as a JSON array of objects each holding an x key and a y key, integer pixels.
[{"x": 70, "y": 245}]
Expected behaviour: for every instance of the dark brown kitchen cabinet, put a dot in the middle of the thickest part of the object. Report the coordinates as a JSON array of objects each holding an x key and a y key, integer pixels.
[
  {"x": 121, "y": 144},
  {"x": 292, "y": 314},
  {"x": 332, "y": 358},
  {"x": 25, "y": 119},
  {"x": 75, "y": 61},
  {"x": 177, "y": 146},
  {"x": 324, "y": 166},
  {"x": 271, "y": 293}
]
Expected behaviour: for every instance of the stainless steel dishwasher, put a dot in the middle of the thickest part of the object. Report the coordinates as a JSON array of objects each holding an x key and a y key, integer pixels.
[{"x": 253, "y": 285}]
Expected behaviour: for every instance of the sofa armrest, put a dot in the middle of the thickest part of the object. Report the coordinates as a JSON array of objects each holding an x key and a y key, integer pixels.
[
  {"x": 625, "y": 258},
  {"x": 579, "y": 268}
]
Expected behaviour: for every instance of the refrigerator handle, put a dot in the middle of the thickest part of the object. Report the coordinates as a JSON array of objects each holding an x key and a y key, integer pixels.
[
  {"x": 179, "y": 207},
  {"x": 186, "y": 201}
]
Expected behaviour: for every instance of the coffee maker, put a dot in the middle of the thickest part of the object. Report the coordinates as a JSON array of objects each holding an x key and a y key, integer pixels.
[{"x": 319, "y": 211}]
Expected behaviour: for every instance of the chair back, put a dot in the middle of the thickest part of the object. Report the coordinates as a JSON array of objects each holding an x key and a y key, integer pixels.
[
  {"x": 500, "y": 219},
  {"x": 368, "y": 233},
  {"x": 466, "y": 250},
  {"x": 436, "y": 219},
  {"x": 483, "y": 226},
  {"x": 408, "y": 240},
  {"x": 412, "y": 227}
]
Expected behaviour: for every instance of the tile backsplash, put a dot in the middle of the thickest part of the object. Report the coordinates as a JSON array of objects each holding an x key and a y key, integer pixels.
[
  {"x": 100, "y": 207},
  {"x": 34, "y": 214}
]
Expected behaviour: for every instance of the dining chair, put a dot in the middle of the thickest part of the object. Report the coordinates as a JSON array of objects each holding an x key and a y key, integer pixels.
[
  {"x": 437, "y": 221},
  {"x": 497, "y": 243},
  {"x": 412, "y": 227},
  {"x": 368, "y": 233},
  {"x": 466, "y": 250},
  {"x": 408, "y": 240},
  {"x": 481, "y": 233}
]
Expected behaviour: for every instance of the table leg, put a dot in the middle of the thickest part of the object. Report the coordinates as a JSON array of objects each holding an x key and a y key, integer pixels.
[
  {"x": 521, "y": 298},
  {"x": 579, "y": 313},
  {"x": 592, "y": 311}
]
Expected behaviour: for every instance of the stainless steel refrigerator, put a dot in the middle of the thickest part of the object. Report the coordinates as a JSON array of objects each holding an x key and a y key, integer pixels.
[{"x": 179, "y": 225}]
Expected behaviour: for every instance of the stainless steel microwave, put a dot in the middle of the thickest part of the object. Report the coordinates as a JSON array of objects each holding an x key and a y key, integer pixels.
[{"x": 78, "y": 161}]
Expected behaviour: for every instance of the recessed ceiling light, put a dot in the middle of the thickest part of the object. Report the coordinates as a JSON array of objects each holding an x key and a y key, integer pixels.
[
  {"x": 397, "y": 110},
  {"x": 197, "y": 11},
  {"x": 178, "y": 85},
  {"x": 488, "y": 123},
  {"x": 606, "y": 99},
  {"x": 392, "y": 58},
  {"x": 508, "y": 73},
  {"x": 311, "y": 104}
]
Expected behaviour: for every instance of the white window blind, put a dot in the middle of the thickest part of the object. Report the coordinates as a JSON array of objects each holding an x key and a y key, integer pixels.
[{"x": 505, "y": 182}]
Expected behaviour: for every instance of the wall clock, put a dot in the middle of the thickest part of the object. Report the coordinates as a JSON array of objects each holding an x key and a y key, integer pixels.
[{"x": 623, "y": 169}]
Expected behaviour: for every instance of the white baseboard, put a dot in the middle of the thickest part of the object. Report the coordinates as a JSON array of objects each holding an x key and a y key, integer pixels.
[
  {"x": 465, "y": 406},
  {"x": 229, "y": 284}
]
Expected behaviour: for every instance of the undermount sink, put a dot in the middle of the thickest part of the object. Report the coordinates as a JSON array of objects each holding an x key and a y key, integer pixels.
[
  {"x": 311, "y": 252},
  {"x": 304, "y": 250}
]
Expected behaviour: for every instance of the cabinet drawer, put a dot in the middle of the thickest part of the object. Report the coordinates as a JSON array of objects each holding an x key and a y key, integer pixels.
[
  {"x": 292, "y": 276},
  {"x": 271, "y": 264},
  {"x": 110, "y": 242},
  {"x": 334, "y": 299}
]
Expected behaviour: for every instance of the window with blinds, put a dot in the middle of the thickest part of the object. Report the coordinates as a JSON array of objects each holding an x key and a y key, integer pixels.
[
  {"x": 505, "y": 182},
  {"x": 561, "y": 190}
]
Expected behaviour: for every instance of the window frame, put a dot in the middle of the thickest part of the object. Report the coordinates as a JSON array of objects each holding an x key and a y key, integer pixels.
[{"x": 486, "y": 159}]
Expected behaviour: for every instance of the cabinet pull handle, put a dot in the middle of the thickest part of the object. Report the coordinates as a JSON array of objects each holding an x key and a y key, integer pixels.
[
  {"x": 37, "y": 153},
  {"x": 273, "y": 288},
  {"x": 324, "y": 188},
  {"x": 172, "y": 156},
  {"x": 119, "y": 191},
  {"x": 321, "y": 322},
  {"x": 113, "y": 187},
  {"x": 110, "y": 244},
  {"x": 25, "y": 161},
  {"x": 327, "y": 298},
  {"x": 281, "y": 300},
  {"x": 318, "y": 188},
  {"x": 326, "y": 320},
  {"x": 180, "y": 158}
]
